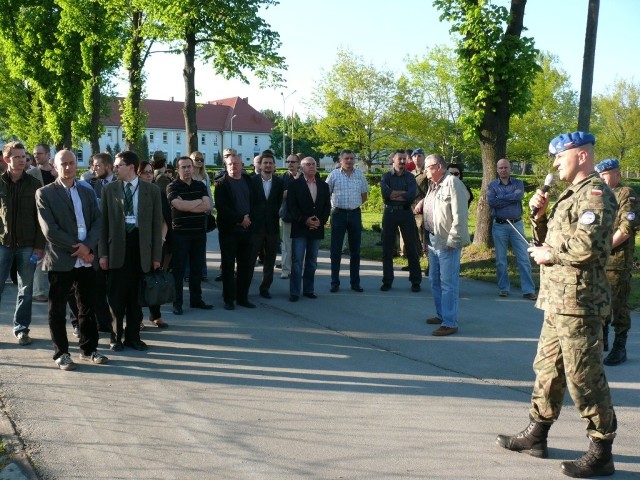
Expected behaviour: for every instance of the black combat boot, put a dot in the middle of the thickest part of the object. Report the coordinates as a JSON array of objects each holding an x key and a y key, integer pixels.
[
  {"x": 597, "y": 462},
  {"x": 618, "y": 353},
  {"x": 532, "y": 440},
  {"x": 605, "y": 338}
]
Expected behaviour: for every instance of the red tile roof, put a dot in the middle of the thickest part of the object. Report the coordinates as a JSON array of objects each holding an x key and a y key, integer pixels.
[{"x": 211, "y": 116}]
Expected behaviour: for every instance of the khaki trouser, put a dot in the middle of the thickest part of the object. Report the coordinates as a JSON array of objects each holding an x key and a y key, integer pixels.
[{"x": 570, "y": 355}]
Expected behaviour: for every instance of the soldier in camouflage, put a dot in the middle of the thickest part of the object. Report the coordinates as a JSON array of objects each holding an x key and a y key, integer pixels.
[
  {"x": 620, "y": 261},
  {"x": 575, "y": 241}
]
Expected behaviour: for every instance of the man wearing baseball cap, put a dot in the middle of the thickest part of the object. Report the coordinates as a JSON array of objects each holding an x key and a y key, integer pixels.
[
  {"x": 620, "y": 261},
  {"x": 575, "y": 242}
]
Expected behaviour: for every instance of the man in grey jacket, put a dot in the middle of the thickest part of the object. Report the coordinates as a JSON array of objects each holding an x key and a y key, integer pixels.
[{"x": 446, "y": 221}]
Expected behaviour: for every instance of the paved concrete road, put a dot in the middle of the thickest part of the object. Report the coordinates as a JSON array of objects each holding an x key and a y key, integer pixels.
[{"x": 351, "y": 385}]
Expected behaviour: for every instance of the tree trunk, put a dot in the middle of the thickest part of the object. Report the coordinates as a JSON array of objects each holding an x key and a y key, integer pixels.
[
  {"x": 493, "y": 137},
  {"x": 132, "y": 134},
  {"x": 584, "y": 111},
  {"x": 96, "y": 102},
  {"x": 189, "y": 109}
]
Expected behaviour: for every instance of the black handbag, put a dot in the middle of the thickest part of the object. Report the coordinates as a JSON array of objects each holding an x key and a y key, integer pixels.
[
  {"x": 210, "y": 223},
  {"x": 157, "y": 288}
]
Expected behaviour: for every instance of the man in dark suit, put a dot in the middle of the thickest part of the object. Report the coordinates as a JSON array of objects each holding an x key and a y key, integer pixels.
[
  {"x": 309, "y": 204},
  {"x": 130, "y": 245},
  {"x": 265, "y": 219},
  {"x": 70, "y": 220},
  {"x": 233, "y": 199}
]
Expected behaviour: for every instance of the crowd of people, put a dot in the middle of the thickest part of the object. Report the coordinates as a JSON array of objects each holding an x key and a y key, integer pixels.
[{"x": 86, "y": 243}]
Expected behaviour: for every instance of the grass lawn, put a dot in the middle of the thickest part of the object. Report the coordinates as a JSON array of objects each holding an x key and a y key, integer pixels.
[{"x": 478, "y": 263}]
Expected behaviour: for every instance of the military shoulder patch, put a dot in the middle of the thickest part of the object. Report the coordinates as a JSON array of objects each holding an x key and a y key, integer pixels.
[
  {"x": 595, "y": 191},
  {"x": 588, "y": 217}
]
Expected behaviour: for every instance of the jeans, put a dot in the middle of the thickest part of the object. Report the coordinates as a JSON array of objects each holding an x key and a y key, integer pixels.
[
  {"x": 285, "y": 257},
  {"x": 350, "y": 222},
  {"x": 444, "y": 274},
  {"x": 392, "y": 219},
  {"x": 22, "y": 316},
  {"x": 40, "y": 281},
  {"x": 303, "y": 249},
  {"x": 502, "y": 235},
  {"x": 188, "y": 245}
]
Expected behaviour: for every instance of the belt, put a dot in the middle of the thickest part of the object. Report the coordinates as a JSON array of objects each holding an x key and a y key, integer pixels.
[
  {"x": 393, "y": 208},
  {"x": 336, "y": 209},
  {"x": 504, "y": 220}
]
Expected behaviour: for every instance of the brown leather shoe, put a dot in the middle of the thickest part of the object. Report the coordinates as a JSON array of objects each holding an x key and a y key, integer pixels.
[
  {"x": 442, "y": 331},
  {"x": 434, "y": 321}
]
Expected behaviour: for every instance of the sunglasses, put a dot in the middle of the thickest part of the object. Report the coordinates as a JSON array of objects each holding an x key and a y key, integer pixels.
[{"x": 457, "y": 174}]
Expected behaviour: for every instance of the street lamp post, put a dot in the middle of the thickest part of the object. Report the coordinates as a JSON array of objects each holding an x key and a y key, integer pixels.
[
  {"x": 284, "y": 99},
  {"x": 232, "y": 130}
]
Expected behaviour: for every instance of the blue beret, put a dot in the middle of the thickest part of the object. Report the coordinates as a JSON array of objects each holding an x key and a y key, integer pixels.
[
  {"x": 417, "y": 151},
  {"x": 606, "y": 165},
  {"x": 567, "y": 141}
]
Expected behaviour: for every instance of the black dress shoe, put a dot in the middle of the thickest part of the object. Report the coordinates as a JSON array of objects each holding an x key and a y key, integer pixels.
[
  {"x": 334, "y": 288},
  {"x": 177, "y": 309},
  {"x": 138, "y": 345},
  {"x": 265, "y": 293},
  {"x": 201, "y": 305},
  {"x": 310, "y": 295},
  {"x": 293, "y": 298},
  {"x": 415, "y": 287},
  {"x": 357, "y": 288},
  {"x": 245, "y": 304},
  {"x": 385, "y": 287},
  {"x": 229, "y": 306},
  {"x": 116, "y": 347}
]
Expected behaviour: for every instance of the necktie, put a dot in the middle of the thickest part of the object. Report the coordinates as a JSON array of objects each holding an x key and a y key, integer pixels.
[{"x": 128, "y": 207}]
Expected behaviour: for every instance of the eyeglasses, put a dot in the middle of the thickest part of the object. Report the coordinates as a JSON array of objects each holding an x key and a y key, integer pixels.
[
  {"x": 147, "y": 172},
  {"x": 457, "y": 174},
  {"x": 292, "y": 161},
  {"x": 198, "y": 159},
  {"x": 433, "y": 165}
]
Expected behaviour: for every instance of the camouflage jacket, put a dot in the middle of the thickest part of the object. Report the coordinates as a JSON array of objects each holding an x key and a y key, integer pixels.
[
  {"x": 627, "y": 221},
  {"x": 578, "y": 229}
]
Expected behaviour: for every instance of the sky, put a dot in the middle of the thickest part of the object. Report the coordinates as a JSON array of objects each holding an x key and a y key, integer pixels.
[{"x": 386, "y": 33}]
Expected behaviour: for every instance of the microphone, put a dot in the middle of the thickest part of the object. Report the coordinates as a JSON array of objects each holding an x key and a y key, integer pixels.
[{"x": 548, "y": 181}]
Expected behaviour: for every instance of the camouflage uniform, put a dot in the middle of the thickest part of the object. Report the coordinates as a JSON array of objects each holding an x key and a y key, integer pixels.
[
  {"x": 621, "y": 259},
  {"x": 575, "y": 295}
]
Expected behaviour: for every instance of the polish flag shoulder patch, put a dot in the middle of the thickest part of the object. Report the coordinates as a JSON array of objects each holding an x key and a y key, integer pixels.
[{"x": 596, "y": 192}]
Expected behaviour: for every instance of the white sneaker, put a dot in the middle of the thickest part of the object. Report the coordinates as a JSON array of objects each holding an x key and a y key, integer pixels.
[
  {"x": 76, "y": 332},
  {"x": 64, "y": 362},
  {"x": 23, "y": 338},
  {"x": 94, "y": 357}
]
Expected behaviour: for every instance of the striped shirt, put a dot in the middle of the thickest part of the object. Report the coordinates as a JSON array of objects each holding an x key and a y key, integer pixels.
[{"x": 346, "y": 190}]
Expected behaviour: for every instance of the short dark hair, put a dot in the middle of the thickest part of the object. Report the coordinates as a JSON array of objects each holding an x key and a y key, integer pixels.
[
  {"x": 266, "y": 154},
  {"x": 45, "y": 147},
  {"x": 346, "y": 151},
  {"x": 184, "y": 157},
  {"x": 103, "y": 157},
  {"x": 143, "y": 164},
  {"x": 129, "y": 158},
  {"x": 6, "y": 150}
]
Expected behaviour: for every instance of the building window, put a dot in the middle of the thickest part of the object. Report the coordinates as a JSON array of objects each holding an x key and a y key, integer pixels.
[
  {"x": 79, "y": 156},
  {"x": 151, "y": 137},
  {"x": 178, "y": 138},
  {"x": 239, "y": 140},
  {"x": 164, "y": 137},
  {"x": 215, "y": 140},
  {"x": 203, "y": 139},
  {"x": 110, "y": 134},
  {"x": 255, "y": 140}
]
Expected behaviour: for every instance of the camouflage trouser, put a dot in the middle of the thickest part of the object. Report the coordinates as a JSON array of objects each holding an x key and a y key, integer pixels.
[
  {"x": 620, "y": 318},
  {"x": 570, "y": 355}
]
